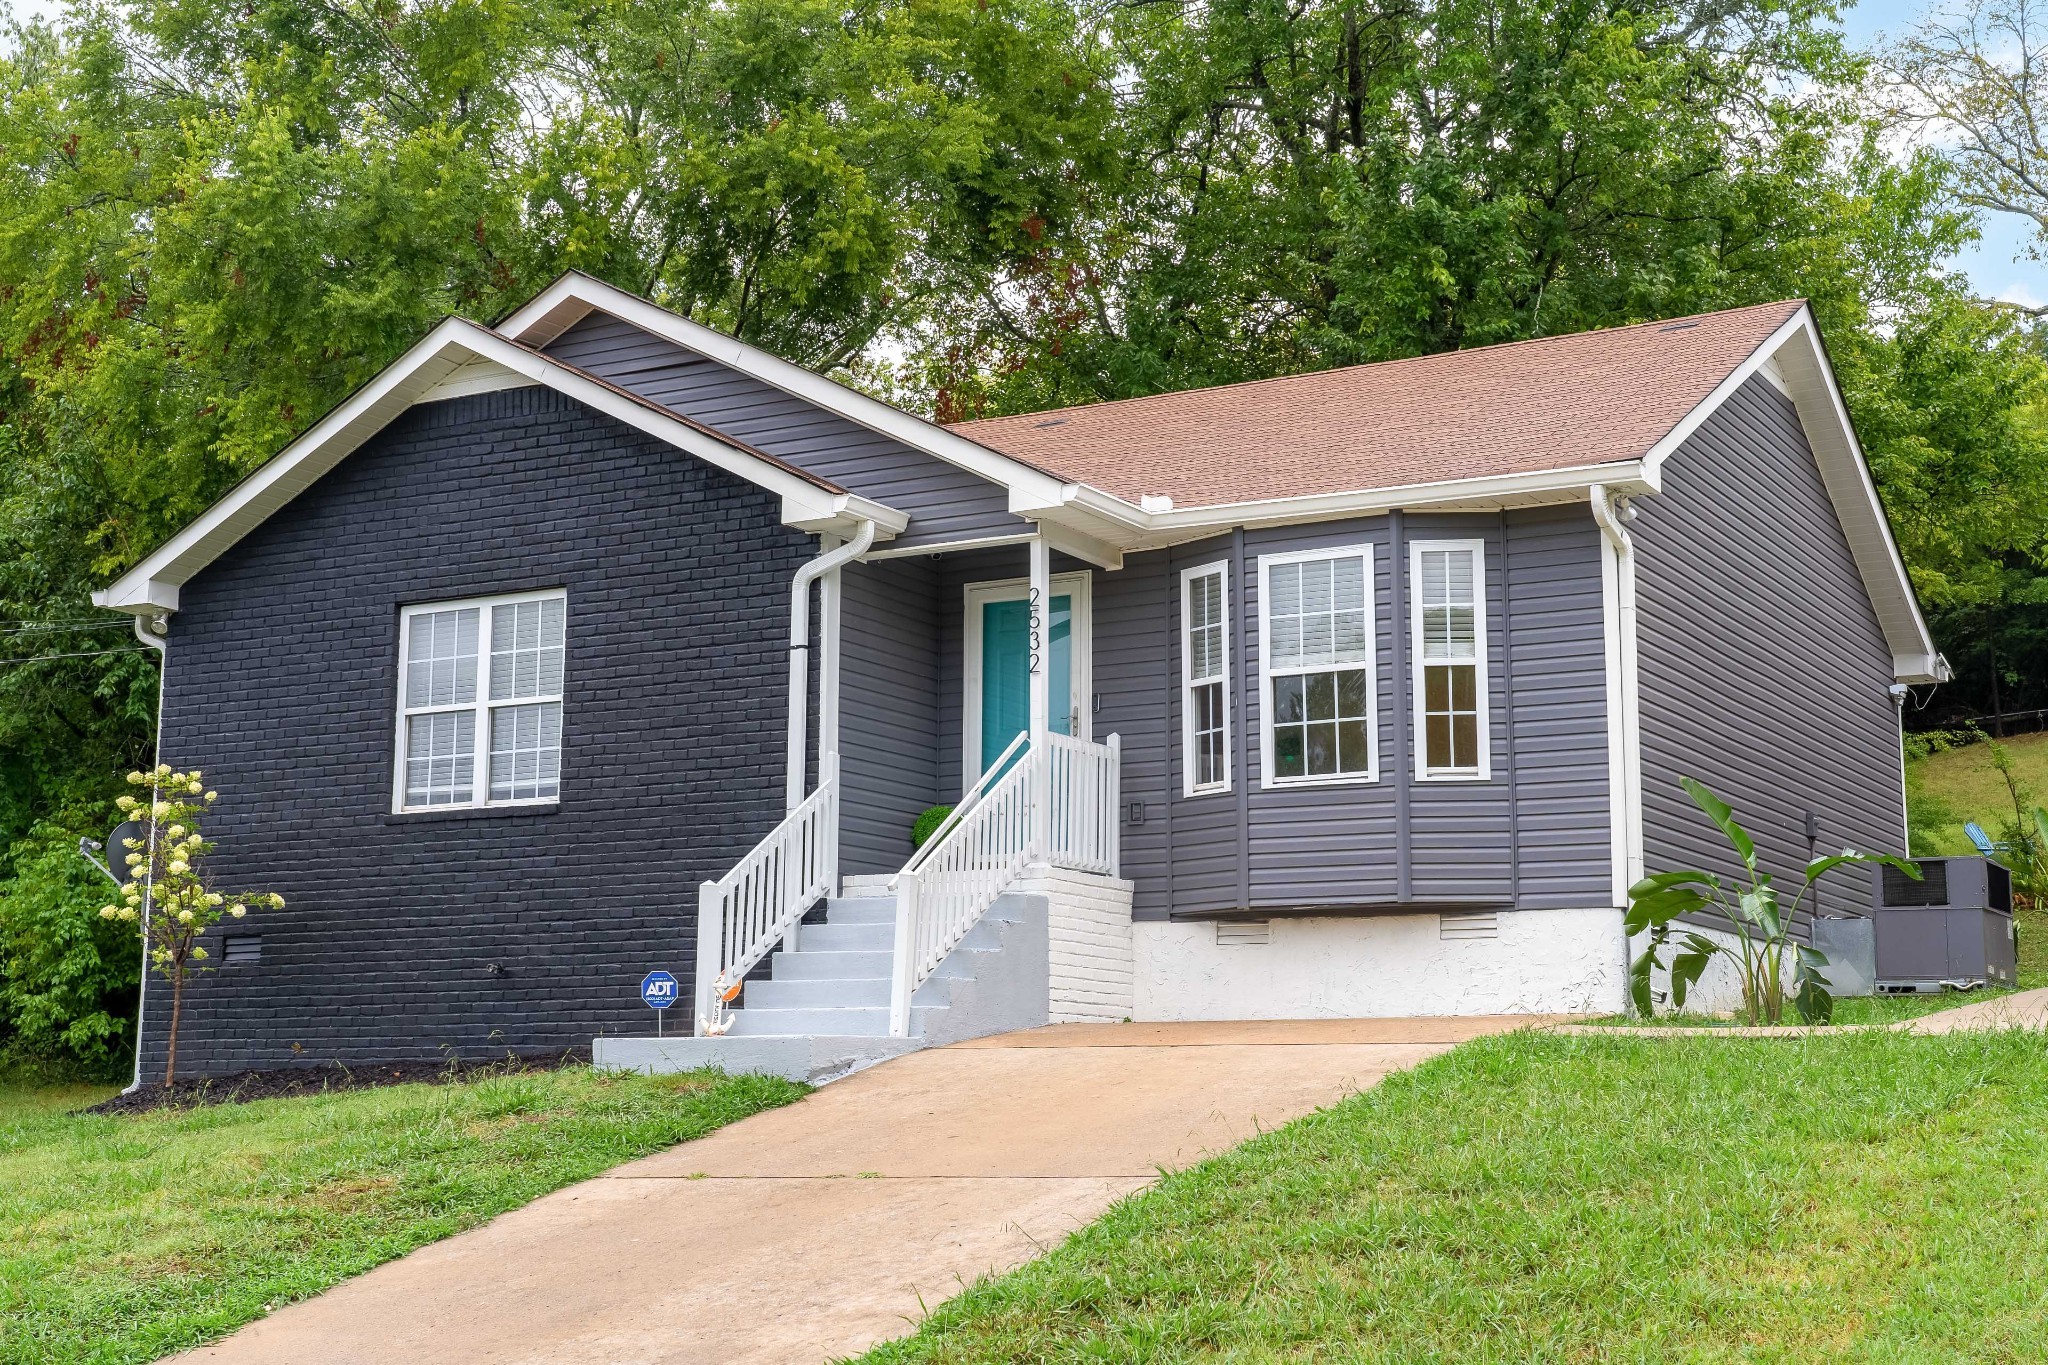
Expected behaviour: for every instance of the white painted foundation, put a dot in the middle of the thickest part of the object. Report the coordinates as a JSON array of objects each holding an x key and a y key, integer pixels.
[
  {"x": 1542, "y": 962},
  {"x": 1090, "y": 965}
]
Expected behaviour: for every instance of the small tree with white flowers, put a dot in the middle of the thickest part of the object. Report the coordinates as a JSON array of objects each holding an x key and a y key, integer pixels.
[{"x": 166, "y": 893}]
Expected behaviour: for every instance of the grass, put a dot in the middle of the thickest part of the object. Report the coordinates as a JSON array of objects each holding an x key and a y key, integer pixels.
[
  {"x": 1853, "y": 1197},
  {"x": 1945, "y": 789},
  {"x": 125, "y": 1238},
  {"x": 1859, "y": 1010}
]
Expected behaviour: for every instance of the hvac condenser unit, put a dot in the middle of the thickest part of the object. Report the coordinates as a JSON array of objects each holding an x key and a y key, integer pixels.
[{"x": 1951, "y": 928}]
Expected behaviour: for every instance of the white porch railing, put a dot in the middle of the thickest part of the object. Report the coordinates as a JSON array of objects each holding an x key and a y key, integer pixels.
[
  {"x": 745, "y": 914},
  {"x": 1082, "y": 805},
  {"x": 1057, "y": 804}
]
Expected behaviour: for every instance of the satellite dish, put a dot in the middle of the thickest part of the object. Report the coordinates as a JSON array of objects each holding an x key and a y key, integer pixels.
[{"x": 117, "y": 846}]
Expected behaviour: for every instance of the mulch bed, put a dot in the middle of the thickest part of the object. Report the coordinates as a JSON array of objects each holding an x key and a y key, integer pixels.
[{"x": 282, "y": 1082}]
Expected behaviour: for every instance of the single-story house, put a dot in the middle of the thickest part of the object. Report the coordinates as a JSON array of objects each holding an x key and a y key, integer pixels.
[{"x": 597, "y": 642}]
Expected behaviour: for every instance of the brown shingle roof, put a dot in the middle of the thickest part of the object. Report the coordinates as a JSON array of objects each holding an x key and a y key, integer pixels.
[{"x": 1551, "y": 403}]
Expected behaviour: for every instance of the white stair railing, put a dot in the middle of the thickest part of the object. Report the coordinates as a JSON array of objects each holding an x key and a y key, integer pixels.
[
  {"x": 1082, "y": 784},
  {"x": 988, "y": 841},
  {"x": 747, "y": 913}
]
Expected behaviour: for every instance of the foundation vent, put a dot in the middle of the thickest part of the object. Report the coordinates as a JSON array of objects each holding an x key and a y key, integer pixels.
[
  {"x": 1471, "y": 924},
  {"x": 1242, "y": 933},
  {"x": 241, "y": 950}
]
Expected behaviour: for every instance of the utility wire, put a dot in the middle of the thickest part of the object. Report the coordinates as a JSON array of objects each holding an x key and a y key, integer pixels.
[
  {"x": 88, "y": 654},
  {"x": 59, "y": 626}
]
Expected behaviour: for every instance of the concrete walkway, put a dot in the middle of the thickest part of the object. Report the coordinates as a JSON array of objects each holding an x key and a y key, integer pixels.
[{"x": 819, "y": 1229}]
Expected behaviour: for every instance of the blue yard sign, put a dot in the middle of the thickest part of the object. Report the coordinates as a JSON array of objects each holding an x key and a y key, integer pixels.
[{"x": 659, "y": 990}]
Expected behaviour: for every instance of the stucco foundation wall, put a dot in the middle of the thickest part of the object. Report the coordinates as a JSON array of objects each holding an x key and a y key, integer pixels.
[
  {"x": 1091, "y": 964},
  {"x": 1543, "y": 962}
]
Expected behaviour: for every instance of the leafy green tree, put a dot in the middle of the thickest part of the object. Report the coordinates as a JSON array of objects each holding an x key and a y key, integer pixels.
[{"x": 217, "y": 220}]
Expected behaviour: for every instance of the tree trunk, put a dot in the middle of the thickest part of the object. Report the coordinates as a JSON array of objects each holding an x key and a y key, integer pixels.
[{"x": 177, "y": 1005}]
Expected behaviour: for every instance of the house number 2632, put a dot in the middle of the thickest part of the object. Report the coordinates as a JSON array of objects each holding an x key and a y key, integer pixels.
[{"x": 1037, "y": 628}]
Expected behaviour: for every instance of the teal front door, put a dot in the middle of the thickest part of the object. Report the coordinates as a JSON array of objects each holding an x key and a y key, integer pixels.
[{"x": 999, "y": 690}]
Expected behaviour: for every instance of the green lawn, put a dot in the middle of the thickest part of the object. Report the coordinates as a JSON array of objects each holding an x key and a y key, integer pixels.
[
  {"x": 1850, "y": 1010},
  {"x": 122, "y": 1239},
  {"x": 1945, "y": 789},
  {"x": 1855, "y": 1197}
]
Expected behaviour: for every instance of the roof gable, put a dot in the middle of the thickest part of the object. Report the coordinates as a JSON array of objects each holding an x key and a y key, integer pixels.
[{"x": 461, "y": 356}]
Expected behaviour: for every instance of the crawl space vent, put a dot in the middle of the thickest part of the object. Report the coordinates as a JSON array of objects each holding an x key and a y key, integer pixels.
[
  {"x": 241, "y": 950},
  {"x": 1240, "y": 933},
  {"x": 1473, "y": 924}
]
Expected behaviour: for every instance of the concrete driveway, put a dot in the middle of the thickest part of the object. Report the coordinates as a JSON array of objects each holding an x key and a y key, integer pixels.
[{"x": 819, "y": 1229}]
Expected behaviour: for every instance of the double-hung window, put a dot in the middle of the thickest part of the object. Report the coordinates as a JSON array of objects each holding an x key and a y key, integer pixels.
[
  {"x": 1317, "y": 661},
  {"x": 1205, "y": 679},
  {"x": 480, "y": 702},
  {"x": 1447, "y": 581}
]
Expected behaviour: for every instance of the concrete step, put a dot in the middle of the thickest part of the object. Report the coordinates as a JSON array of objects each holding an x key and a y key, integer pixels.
[
  {"x": 869, "y": 1022},
  {"x": 874, "y": 884},
  {"x": 846, "y": 938},
  {"x": 810, "y": 965},
  {"x": 816, "y": 1059},
  {"x": 816, "y": 993},
  {"x": 861, "y": 910}
]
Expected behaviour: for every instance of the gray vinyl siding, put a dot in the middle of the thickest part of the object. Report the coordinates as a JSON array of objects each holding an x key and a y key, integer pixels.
[
  {"x": 944, "y": 503},
  {"x": 1763, "y": 672},
  {"x": 1135, "y": 611},
  {"x": 1535, "y": 835},
  {"x": 889, "y": 709},
  {"x": 1557, "y": 688}
]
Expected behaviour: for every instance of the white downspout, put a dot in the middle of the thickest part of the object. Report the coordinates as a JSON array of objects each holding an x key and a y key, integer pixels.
[
  {"x": 800, "y": 652},
  {"x": 1613, "y": 526},
  {"x": 162, "y": 645}
]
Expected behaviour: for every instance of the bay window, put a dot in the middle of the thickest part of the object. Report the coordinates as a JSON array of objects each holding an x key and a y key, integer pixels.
[
  {"x": 1317, "y": 663},
  {"x": 1205, "y": 679},
  {"x": 1448, "y": 631}
]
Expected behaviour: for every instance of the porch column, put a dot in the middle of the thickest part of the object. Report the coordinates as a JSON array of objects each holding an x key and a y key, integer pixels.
[{"x": 1041, "y": 690}]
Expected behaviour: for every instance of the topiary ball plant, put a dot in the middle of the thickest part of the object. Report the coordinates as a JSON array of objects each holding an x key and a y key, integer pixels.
[{"x": 928, "y": 824}]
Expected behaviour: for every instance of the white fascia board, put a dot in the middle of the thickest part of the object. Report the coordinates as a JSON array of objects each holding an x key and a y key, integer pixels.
[
  {"x": 1740, "y": 375},
  {"x": 565, "y": 302},
  {"x": 1627, "y": 476},
  {"x": 455, "y": 344},
  {"x": 1793, "y": 360},
  {"x": 845, "y": 512},
  {"x": 245, "y": 506}
]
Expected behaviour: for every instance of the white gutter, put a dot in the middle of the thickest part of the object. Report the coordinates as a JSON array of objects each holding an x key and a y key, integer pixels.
[
  {"x": 1610, "y": 521},
  {"x": 800, "y": 650},
  {"x": 162, "y": 645}
]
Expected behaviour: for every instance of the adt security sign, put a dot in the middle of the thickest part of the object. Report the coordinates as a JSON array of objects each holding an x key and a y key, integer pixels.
[{"x": 658, "y": 990}]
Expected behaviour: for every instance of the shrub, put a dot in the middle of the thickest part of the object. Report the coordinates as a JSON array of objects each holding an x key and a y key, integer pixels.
[
  {"x": 928, "y": 824},
  {"x": 68, "y": 979}
]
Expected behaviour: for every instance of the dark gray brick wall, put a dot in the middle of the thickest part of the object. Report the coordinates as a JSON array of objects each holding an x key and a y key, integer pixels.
[{"x": 473, "y": 933}]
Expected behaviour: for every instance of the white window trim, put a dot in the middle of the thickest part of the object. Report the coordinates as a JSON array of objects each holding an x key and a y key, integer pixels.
[
  {"x": 1189, "y": 787},
  {"x": 1371, "y": 665},
  {"x": 1482, "y": 678},
  {"x": 1078, "y": 585},
  {"x": 480, "y": 783}
]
